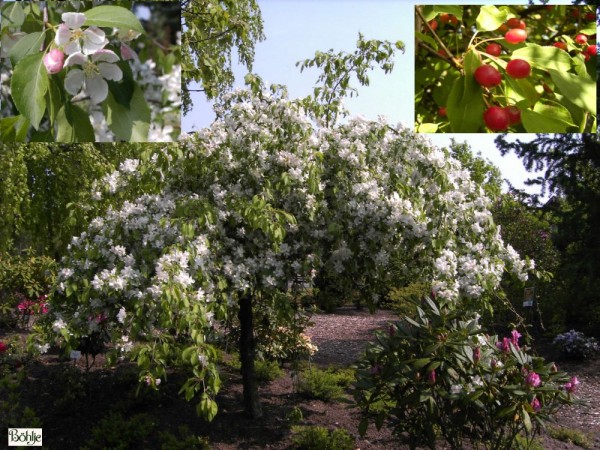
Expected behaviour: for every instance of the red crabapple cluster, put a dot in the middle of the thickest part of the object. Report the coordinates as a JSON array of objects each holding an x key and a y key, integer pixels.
[{"x": 500, "y": 118}]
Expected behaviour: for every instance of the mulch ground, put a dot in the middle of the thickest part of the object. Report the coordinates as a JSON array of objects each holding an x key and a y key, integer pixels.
[{"x": 70, "y": 405}]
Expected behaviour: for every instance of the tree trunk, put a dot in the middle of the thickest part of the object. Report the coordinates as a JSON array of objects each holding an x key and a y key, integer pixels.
[{"x": 251, "y": 401}]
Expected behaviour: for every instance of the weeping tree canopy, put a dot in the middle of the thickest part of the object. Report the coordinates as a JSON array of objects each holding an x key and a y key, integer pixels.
[{"x": 244, "y": 207}]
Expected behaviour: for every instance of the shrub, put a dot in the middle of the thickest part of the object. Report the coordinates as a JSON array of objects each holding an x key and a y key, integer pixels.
[
  {"x": 399, "y": 299},
  {"x": 573, "y": 344},
  {"x": 440, "y": 376},
  {"x": 267, "y": 370},
  {"x": 320, "y": 438},
  {"x": 322, "y": 384}
]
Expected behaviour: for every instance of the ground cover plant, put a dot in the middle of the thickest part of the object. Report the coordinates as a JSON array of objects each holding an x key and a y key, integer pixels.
[{"x": 505, "y": 68}]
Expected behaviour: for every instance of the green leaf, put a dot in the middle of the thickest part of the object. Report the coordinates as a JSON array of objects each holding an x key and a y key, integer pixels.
[
  {"x": 490, "y": 18},
  {"x": 427, "y": 128},
  {"x": 465, "y": 102},
  {"x": 27, "y": 45},
  {"x": 14, "y": 129},
  {"x": 128, "y": 124},
  {"x": 579, "y": 90},
  {"x": 543, "y": 57},
  {"x": 113, "y": 17},
  {"x": 73, "y": 125},
  {"x": 426, "y": 38},
  {"x": 556, "y": 110},
  {"x": 13, "y": 13},
  {"x": 29, "y": 84},
  {"x": 123, "y": 90},
  {"x": 522, "y": 90},
  {"x": 54, "y": 101}
]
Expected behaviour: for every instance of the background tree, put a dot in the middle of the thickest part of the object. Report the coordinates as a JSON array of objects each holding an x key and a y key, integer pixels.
[
  {"x": 571, "y": 165},
  {"x": 213, "y": 28}
]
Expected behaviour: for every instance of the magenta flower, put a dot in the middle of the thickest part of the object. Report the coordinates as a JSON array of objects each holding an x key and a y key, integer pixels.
[
  {"x": 535, "y": 404},
  {"x": 571, "y": 386},
  {"x": 3, "y": 347},
  {"x": 533, "y": 379},
  {"x": 54, "y": 61},
  {"x": 515, "y": 335},
  {"x": 504, "y": 345}
]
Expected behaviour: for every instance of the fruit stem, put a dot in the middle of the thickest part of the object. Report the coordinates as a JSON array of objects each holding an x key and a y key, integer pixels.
[{"x": 451, "y": 57}]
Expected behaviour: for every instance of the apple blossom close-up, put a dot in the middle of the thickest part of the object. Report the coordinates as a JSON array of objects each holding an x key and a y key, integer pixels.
[
  {"x": 71, "y": 76},
  {"x": 286, "y": 225}
]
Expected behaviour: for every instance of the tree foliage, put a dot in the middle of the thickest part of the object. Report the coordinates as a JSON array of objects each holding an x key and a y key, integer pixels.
[
  {"x": 213, "y": 29},
  {"x": 571, "y": 176}
]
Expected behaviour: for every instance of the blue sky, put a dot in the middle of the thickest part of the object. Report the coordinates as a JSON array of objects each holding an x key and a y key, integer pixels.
[{"x": 296, "y": 29}]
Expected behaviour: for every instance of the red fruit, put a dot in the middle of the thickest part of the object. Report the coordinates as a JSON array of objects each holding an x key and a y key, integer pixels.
[
  {"x": 518, "y": 68},
  {"x": 581, "y": 39},
  {"x": 433, "y": 24},
  {"x": 453, "y": 20},
  {"x": 445, "y": 17},
  {"x": 515, "y": 23},
  {"x": 560, "y": 45},
  {"x": 590, "y": 16},
  {"x": 487, "y": 76},
  {"x": 586, "y": 57},
  {"x": 575, "y": 13},
  {"x": 515, "y": 35},
  {"x": 496, "y": 118},
  {"x": 442, "y": 53},
  {"x": 493, "y": 49},
  {"x": 592, "y": 50},
  {"x": 442, "y": 111},
  {"x": 502, "y": 28},
  {"x": 514, "y": 114}
]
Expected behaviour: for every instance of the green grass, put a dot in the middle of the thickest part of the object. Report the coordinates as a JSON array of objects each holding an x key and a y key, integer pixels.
[{"x": 571, "y": 435}]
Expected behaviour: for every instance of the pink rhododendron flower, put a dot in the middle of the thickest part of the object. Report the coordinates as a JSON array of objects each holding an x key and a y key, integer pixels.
[
  {"x": 3, "y": 347},
  {"x": 515, "y": 335},
  {"x": 533, "y": 379},
  {"x": 504, "y": 345},
  {"x": 571, "y": 386},
  {"x": 535, "y": 404},
  {"x": 73, "y": 39},
  {"x": 54, "y": 61}
]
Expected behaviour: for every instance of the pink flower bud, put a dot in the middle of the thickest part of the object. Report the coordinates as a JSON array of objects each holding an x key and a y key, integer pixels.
[
  {"x": 476, "y": 354},
  {"x": 3, "y": 347},
  {"x": 535, "y": 404},
  {"x": 431, "y": 377},
  {"x": 533, "y": 379},
  {"x": 54, "y": 60}
]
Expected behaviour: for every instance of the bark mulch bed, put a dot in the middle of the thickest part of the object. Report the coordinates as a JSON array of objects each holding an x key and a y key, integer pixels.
[{"x": 70, "y": 405}]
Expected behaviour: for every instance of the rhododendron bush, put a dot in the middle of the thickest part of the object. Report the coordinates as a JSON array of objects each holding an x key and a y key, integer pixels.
[
  {"x": 73, "y": 74},
  {"x": 243, "y": 208}
]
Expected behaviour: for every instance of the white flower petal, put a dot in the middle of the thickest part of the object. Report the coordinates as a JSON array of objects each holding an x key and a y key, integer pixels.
[
  {"x": 110, "y": 71},
  {"x": 73, "y": 20},
  {"x": 74, "y": 81},
  {"x": 63, "y": 35},
  {"x": 76, "y": 58},
  {"x": 105, "y": 55},
  {"x": 97, "y": 88},
  {"x": 72, "y": 47},
  {"x": 93, "y": 40}
]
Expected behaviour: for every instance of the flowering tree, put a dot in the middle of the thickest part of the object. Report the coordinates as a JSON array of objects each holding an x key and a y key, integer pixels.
[
  {"x": 72, "y": 81},
  {"x": 245, "y": 206}
]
